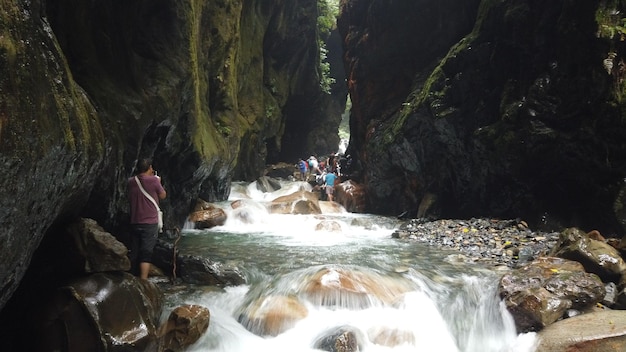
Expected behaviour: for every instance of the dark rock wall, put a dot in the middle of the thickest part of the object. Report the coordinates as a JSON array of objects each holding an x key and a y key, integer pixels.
[
  {"x": 52, "y": 142},
  {"x": 88, "y": 87},
  {"x": 503, "y": 109}
]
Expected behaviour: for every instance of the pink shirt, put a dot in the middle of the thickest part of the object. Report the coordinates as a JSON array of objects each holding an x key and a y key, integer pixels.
[{"x": 142, "y": 211}]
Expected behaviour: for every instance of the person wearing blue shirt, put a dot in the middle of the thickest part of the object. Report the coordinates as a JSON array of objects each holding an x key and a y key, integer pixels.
[
  {"x": 303, "y": 167},
  {"x": 329, "y": 181}
]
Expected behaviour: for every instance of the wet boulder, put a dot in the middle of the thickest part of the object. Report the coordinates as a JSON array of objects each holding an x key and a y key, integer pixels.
[
  {"x": 281, "y": 170},
  {"x": 267, "y": 184},
  {"x": 185, "y": 325},
  {"x": 596, "y": 256},
  {"x": 600, "y": 331},
  {"x": 390, "y": 337},
  {"x": 95, "y": 249},
  {"x": 272, "y": 315},
  {"x": 328, "y": 226},
  {"x": 351, "y": 195},
  {"x": 194, "y": 269},
  {"x": 301, "y": 202},
  {"x": 203, "y": 271},
  {"x": 102, "y": 312},
  {"x": 207, "y": 215},
  {"x": 341, "y": 339},
  {"x": 351, "y": 288},
  {"x": 246, "y": 212},
  {"x": 328, "y": 207},
  {"x": 541, "y": 292}
]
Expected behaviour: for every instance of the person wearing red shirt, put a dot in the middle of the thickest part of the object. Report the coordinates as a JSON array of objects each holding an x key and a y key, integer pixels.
[{"x": 144, "y": 215}]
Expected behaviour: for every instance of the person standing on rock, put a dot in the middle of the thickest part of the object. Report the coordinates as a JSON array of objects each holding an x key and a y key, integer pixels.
[
  {"x": 314, "y": 165},
  {"x": 329, "y": 181},
  {"x": 144, "y": 216},
  {"x": 303, "y": 166}
]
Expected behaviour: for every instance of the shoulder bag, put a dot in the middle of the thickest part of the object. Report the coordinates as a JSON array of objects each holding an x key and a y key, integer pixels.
[{"x": 153, "y": 202}]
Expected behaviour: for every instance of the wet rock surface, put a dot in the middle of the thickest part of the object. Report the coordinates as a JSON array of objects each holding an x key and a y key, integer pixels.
[{"x": 486, "y": 241}]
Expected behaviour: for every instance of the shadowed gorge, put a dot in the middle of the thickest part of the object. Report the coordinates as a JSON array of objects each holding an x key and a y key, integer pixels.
[
  {"x": 507, "y": 110},
  {"x": 87, "y": 88},
  {"x": 460, "y": 109}
]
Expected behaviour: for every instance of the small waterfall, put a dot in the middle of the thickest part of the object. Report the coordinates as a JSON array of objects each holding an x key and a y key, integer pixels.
[{"x": 307, "y": 283}]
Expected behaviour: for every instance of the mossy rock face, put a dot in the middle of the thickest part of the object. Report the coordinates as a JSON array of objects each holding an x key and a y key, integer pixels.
[
  {"x": 519, "y": 118},
  {"x": 51, "y": 142},
  {"x": 87, "y": 88}
]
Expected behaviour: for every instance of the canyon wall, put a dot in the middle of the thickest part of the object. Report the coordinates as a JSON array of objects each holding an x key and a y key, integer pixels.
[
  {"x": 207, "y": 89},
  {"x": 487, "y": 108}
]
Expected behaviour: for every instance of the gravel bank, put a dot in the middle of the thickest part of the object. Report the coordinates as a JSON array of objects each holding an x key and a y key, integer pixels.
[{"x": 486, "y": 241}]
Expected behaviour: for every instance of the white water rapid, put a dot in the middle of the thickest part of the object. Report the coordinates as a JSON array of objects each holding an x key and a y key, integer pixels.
[{"x": 404, "y": 296}]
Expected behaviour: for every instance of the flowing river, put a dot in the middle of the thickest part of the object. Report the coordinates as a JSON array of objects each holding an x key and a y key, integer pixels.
[{"x": 444, "y": 305}]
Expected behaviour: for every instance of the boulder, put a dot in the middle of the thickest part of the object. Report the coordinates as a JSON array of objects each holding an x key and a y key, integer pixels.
[
  {"x": 185, "y": 325},
  {"x": 540, "y": 293},
  {"x": 267, "y": 184},
  {"x": 600, "y": 331},
  {"x": 301, "y": 202},
  {"x": 98, "y": 250},
  {"x": 281, "y": 170},
  {"x": 194, "y": 269},
  {"x": 596, "y": 256},
  {"x": 247, "y": 212},
  {"x": 207, "y": 215},
  {"x": 343, "y": 339},
  {"x": 203, "y": 271},
  {"x": 352, "y": 289},
  {"x": 331, "y": 207},
  {"x": 272, "y": 315},
  {"x": 351, "y": 196},
  {"x": 328, "y": 225},
  {"x": 102, "y": 312},
  {"x": 390, "y": 337}
]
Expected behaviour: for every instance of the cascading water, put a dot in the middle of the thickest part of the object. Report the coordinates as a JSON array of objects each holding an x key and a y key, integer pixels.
[{"x": 348, "y": 276}]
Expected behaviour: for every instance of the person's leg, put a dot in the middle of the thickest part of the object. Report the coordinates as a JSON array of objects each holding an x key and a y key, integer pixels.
[
  {"x": 146, "y": 248},
  {"x": 144, "y": 270}
]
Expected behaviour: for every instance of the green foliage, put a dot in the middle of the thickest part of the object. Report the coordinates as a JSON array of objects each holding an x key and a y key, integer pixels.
[
  {"x": 611, "y": 24},
  {"x": 326, "y": 22},
  {"x": 327, "y": 16},
  {"x": 326, "y": 81},
  {"x": 612, "y": 27}
]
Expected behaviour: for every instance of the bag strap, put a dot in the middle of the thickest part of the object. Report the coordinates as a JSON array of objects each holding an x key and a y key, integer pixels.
[{"x": 147, "y": 194}]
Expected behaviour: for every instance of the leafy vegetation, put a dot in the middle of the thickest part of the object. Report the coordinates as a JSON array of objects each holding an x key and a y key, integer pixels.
[
  {"x": 612, "y": 27},
  {"x": 326, "y": 22},
  {"x": 611, "y": 24}
]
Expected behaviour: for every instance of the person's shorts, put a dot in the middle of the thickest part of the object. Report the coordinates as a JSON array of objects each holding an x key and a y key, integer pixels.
[
  {"x": 146, "y": 234},
  {"x": 329, "y": 189}
]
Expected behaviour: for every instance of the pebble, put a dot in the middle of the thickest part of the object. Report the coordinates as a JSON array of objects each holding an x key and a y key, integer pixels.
[{"x": 488, "y": 241}]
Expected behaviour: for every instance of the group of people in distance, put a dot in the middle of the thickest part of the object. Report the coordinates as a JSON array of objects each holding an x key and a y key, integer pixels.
[{"x": 326, "y": 172}]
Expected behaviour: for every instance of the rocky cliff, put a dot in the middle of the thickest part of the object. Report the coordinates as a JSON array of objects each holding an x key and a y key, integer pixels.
[
  {"x": 460, "y": 107},
  {"x": 489, "y": 108},
  {"x": 207, "y": 89}
]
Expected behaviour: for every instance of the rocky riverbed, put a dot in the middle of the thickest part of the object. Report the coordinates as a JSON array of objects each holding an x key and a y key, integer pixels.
[{"x": 487, "y": 241}]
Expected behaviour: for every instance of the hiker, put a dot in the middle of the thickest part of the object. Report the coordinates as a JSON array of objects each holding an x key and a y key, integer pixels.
[
  {"x": 303, "y": 166},
  {"x": 144, "y": 214},
  {"x": 314, "y": 165},
  {"x": 332, "y": 162},
  {"x": 329, "y": 183}
]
